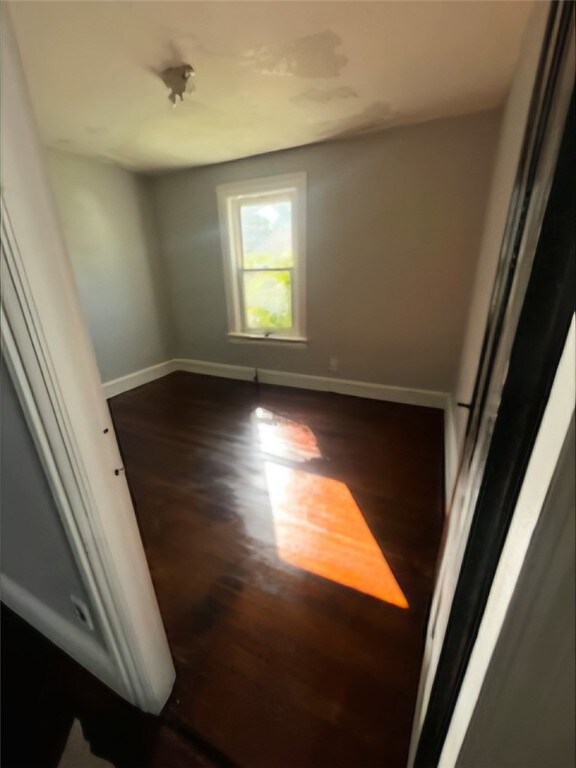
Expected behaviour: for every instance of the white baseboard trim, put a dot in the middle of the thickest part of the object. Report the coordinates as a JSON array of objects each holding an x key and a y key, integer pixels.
[
  {"x": 79, "y": 643},
  {"x": 424, "y": 397},
  {"x": 407, "y": 396},
  {"x": 240, "y": 372},
  {"x": 136, "y": 379}
]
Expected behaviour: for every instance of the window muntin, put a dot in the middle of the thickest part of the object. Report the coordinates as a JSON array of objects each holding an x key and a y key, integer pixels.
[{"x": 262, "y": 224}]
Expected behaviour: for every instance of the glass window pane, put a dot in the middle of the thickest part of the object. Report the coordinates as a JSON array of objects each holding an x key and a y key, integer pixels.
[
  {"x": 267, "y": 234},
  {"x": 267, "y": 300}
]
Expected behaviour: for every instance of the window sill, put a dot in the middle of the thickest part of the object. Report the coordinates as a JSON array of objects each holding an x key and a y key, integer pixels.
[{"x": 281, "y": 341}]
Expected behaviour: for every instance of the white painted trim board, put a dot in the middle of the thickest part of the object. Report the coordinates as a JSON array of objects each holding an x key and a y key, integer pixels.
[
  {"x": 545, "y": 454},
  {"x": 403, "y": 395},
  {"x": 370, "y": 390},
  {"x": 451, "y": 452},
  {"x": 206, "y": 368},
  {"x": 136, "y": 379},
  {"x": 58, "y": 384},
  {"x": 77, "y": 643}
]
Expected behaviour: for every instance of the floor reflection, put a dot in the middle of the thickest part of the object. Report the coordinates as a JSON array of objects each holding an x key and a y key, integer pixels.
[
  {"x": 285, "y": 438},
  {"x": 320, "y": 528}
]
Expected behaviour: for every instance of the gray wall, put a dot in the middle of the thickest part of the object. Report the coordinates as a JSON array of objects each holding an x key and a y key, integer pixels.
[
  {"x": 526, "y": 714},
  {"x": 108, "y": 224},
  {"x": 394, "y": 223},
  {"x": 34, "y": 550}
]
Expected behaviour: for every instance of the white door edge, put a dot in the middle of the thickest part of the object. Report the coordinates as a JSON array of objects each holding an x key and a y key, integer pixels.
[{"x": 52, "y": 363}]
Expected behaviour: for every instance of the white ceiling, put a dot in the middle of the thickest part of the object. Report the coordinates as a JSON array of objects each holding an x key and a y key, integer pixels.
[{"x": 269, "y": 75}]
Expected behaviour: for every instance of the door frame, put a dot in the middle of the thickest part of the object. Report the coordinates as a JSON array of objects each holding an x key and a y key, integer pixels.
[
  {"x": 53, "y": 366},
  {"x": 51, "y": 360},
  {"x": 522, "y": 370}
]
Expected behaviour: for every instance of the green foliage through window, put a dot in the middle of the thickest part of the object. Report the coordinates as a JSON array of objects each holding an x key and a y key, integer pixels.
[
  {"x": 267, "y": 258},
  {"x": 267, "y": 235},
  {"x": 268, "y": 300}
]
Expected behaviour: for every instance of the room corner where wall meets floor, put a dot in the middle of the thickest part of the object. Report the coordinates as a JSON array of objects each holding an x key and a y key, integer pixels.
[
  {"x": 424, "y": 398},
  {"x": 372, "y": 391},
  {"x": 147, "y": 255},
  {"x": 152, "y": 246}
]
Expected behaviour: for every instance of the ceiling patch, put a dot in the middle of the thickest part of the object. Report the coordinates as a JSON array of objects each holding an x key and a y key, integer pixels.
[
  {"x": 94, "y": 72},
  {"x": 374, "y": 117},
  {"x": 312, "y": 56}
]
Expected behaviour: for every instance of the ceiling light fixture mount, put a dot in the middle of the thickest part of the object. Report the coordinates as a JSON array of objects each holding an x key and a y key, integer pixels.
[{"x": 176, "y": 79}]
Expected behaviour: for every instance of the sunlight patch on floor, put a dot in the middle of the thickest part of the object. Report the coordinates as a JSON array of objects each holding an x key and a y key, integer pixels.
[
  {"x": 320, "y": 528},
  {"x": 285, "y": 438}
]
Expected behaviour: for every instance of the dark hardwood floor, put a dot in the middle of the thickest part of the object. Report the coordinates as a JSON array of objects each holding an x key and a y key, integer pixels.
[{"x": 292, "y": 539}]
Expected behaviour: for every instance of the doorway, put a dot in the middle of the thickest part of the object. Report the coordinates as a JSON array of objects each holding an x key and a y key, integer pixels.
[{"x": 291, "y": 534}]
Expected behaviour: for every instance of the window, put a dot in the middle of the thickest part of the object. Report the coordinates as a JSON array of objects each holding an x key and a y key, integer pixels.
[{"x": 262, "y": 226}]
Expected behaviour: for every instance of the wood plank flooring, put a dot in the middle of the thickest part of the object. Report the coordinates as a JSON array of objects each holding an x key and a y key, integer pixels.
[{"x": 292, "y": 539}]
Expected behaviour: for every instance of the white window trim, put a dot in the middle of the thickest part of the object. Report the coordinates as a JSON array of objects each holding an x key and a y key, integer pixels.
[{"x": 228, "y": 197}]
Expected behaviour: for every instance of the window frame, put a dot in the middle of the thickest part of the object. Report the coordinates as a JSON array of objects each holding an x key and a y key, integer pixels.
[{"x": 230, "y": 199}]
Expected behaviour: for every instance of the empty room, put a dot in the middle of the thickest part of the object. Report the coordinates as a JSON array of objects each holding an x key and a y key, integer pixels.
[{"x": 279, "y": 227}]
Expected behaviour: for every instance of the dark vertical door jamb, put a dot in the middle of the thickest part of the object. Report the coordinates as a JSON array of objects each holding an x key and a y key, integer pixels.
[{"x": 538, "y": 344}]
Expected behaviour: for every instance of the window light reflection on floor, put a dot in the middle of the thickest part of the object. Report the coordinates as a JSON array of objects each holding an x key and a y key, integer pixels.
[
  {"x": 317, "y": 524},
  {"x": 284, "y": 438}
]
